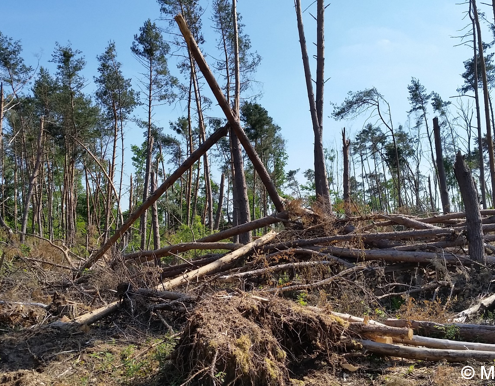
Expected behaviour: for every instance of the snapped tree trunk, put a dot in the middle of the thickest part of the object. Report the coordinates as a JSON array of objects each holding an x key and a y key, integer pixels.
[
  {"x": 444, "y": 193},
  {"x": 472, "y": 209},
  {"x": 347, "y": 186},
  {"x": 220, "y": 203}
]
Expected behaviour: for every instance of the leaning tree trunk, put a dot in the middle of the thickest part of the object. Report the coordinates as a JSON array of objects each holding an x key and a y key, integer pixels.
[
  {"x": 472, "y": 209},
  {"x": 444, "y": 193}
]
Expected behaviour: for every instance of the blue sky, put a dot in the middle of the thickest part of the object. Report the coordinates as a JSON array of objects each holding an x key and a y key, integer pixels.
[{"x": 368, "y": 43}]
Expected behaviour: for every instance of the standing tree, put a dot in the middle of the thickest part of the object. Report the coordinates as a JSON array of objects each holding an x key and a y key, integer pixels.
[
  {"x": 118, "y": 99},
  {"x": 238, "y": 61},
  {"x": 316, "y": 107},
  {"x": 14, "y": 74},
  {"x": 151, "y": 51},
  {"x": 76, "y": 123}
]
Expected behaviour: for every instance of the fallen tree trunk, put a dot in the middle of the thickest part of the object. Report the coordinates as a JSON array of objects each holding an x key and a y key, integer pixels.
[
  {"x": 155, "y": 196},
  {"x": 256, "y": 224},
  {"x": 394, "y": 255},
  {"x": 176, "y": 270},
  {"x": 365, "y": 237},
  {"x": 445, "y": 344},
  {"x": 144, "y": 256},
  {"x": 370, "y": 329},
  {"x": 466, "y": 332},
  {"x": 229, "y": 258},
  {"x": 428, "y": 354},
  {"x": 409, "y": 222}
]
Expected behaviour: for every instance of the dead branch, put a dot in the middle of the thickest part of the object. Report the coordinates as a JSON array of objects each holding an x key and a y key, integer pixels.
[
  {"x": 462, "y": 316},
  {"x": 298, "y": 287},
  {"x": 33, "y": 304},
  {"x": 275, "y": 268}
]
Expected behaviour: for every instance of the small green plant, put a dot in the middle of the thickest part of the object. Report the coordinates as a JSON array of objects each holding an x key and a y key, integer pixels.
[
  {"x": 302, "y": 299},
  {"x": 284, "y": 279},
  {"x": 106, "y": 361},
  {"x": 396, "y": 302},
  {"x": 221, "y": 376},
  {"x": 380, "y": 313},
  {"x": 449, "y": 331},
  {"x": 410, "y": 370}
]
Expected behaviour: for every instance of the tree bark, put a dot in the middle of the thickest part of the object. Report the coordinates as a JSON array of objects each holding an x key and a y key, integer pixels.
[
  {"x": 473, "y": 216},
  {"x": 444, "y": 193}
]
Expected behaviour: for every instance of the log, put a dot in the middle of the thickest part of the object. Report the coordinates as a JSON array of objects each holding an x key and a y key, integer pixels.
[
  {"x": 186, "y": 165},
  {"x": 256, "y": 224},
  {"x": 473, "y": 215},
  {"x": 428, "y": 354},
  {"x": 394, "y": 255},
  {"x": 366, "y": 237},
  {"x": 445, "y": 344},
  {"x": 216, "y": 265},
  {"x": 176, "y": 270},
  {"x": 231, "y": 117},
  {"x": 144, "y": 256},
  {"x": 394, "y": 332},
  {"x": 465, "y": 332},
  {"x": 409, "y": 222}
]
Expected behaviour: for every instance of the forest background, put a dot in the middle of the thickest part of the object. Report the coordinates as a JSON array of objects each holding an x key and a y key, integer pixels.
[{"x": 389, "y": 46}]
